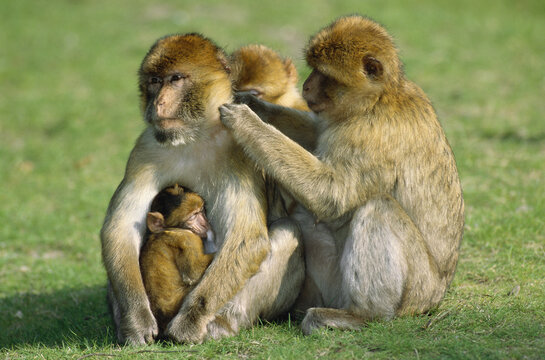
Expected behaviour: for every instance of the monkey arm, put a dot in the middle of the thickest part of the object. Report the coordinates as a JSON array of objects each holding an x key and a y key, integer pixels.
[
  {"x": 300, "y": 126},
  {"x": 245, "y": 246},
  {"x": 328, "y": 190},
  {"x": 121, "y": 238}
]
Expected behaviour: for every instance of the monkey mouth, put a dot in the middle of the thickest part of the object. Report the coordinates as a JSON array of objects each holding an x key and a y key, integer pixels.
[
  {"x": 316, "y": 107},
  {"x": 167, "y": 123}
]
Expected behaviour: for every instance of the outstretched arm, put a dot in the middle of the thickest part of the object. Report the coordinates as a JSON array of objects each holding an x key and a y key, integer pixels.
[
  {"x": 325, "y": 189},
  {"x": 300, "y": 126}
]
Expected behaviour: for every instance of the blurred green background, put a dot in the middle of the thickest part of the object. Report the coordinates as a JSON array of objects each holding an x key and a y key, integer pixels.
[{"x": 69, "y": 116}]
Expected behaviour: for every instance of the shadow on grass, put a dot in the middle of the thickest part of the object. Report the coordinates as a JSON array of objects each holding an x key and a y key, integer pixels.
[
  {"x": 77, "y": 315},
  {"x": 513, "y": 136}
]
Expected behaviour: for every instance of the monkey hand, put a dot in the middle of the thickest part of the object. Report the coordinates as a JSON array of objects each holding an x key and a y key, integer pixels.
[
  {"x": 246, "y": 97},
  {"x": 219, "y": 328},
  {"x": 249, "y": 98},
  {"x": 233, "y": 115},
  {"x": 188, "y": 326},
  {"x": 137, "y": 327}
]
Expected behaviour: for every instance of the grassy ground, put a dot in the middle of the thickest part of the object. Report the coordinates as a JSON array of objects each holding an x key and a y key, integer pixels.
[{"x": 69, "y": 116}]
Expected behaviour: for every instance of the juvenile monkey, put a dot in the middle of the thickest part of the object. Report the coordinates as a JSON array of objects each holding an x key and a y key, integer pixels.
[
  {"x": 263, "y": 72},
  {"x": 173, "y": 257},
  {"x": 383, "y": 209},
  {"x": 183, "y": 80}
]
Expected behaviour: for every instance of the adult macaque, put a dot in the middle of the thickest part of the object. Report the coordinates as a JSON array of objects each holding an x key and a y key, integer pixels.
[
  {"x": 173, "y": 257},
  {"x": 183, "y": 80},
  {"x": 383, "y": 209}
]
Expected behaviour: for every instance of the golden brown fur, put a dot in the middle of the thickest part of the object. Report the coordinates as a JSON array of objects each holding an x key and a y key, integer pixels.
[
  {"x": 183, "y": 80},
  {"x": 264, "y": 72},
  {"x": 382, "y": 213},
  {"x": 172, "y": 259},
  {"x": 172, "y": 263}
]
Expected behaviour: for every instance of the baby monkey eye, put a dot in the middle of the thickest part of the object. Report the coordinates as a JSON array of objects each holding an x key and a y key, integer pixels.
[{"x": 193, "y": 217}]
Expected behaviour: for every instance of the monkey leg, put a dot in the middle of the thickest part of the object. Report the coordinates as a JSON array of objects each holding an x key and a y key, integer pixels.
[
  {"x": 386, "y": 270},
  {"x": 322, "y": 284},
  {"x": 135, "y": 323},
  {"x": 114, "y": 305},
  {"x": 272, "y": 290}
]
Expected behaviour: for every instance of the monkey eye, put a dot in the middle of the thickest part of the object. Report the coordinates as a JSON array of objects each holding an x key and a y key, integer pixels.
[
  {"x": 154, "y": 80},
  {"x": 192, "y": 217},
  {"x": 177, "y": 77}
]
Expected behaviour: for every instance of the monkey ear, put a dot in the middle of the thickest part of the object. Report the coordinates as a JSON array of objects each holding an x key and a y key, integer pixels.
[
  {"x": 155, "y": 222},
  {"x": 372, "y": 67},
  {"x": 291, "y": 71},
  {"x": 178, "y": 190},
  {"x": 225, "y": 63}
]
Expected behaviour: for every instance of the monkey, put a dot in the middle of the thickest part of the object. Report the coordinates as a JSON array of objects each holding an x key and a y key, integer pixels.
[
  {"x": 173, "y": 259},
  {"x": 184, "y": 209},
  {"x": 261, "y": 71},
  {"x": 264, "y": 73},
  {"x": 258, "y": 270},
  {"x": 382, "y": 211}
]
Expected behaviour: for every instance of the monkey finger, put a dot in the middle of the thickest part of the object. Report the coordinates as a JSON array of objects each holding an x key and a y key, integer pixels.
[
  {"x": 137, "y": 339},
  {"x": 246, "y": 97},
  {"x": 228, "y": 114},
  {"x": 186, "y": 331},
  {"x": 225, "y": 115},
  {"x": 149, "y": 338}
]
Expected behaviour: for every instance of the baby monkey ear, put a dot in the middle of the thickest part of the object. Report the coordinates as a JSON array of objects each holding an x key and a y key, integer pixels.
[
  {"x": 372, "y": 67},
  {"x": 291, "y": 71},
  {"x": 155, "y": 222},
  {"x": 175, "y": 190}
]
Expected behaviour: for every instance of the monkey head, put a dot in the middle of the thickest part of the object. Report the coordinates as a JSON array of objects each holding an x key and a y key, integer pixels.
[
  {"x": 176, "y": 208},
  {"x": 261, "y": 70},
  {"x": 354, "y": 60},
  {"x": 183, "y": 79}
]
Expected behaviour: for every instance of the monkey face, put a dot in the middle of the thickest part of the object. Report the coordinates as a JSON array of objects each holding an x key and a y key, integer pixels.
[
  {"x": 174, "y": 103},
  {"x": 175, "y": 207},
  {"x": 174, "y": 108},
  {"x": 197, "y": 223},
  {"x": 190, "y": 214},
  {"x": 315, "y": 92}
]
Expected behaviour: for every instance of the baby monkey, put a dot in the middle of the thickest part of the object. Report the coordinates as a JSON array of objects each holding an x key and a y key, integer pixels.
[{"x": 177, "y": 250}]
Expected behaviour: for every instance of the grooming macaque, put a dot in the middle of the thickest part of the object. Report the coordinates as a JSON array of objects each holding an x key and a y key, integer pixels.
[
  {"x": 173, "y": 257},
  {"x": 183, "y": 80},
  {"x": 382, "y": 209}
]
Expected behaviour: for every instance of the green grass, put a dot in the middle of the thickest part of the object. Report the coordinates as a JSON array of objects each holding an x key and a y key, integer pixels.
[{"x": 69, "y": 117}]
